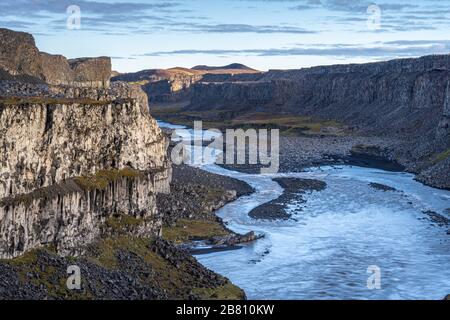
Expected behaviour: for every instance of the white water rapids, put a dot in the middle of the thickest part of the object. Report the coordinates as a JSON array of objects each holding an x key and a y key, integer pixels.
[{"x": 325, "y": 250}]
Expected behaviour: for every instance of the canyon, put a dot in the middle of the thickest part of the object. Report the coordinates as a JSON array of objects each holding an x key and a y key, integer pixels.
[
  {"x": 82, "y": 166},
  {"x": 85, "y": 176},
  {"x": 403, "y": 103}
]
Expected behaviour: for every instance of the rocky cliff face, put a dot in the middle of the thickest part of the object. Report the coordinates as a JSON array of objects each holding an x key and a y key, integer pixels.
[
  {"x": 174, "y": 85},
  {"x": 241, "y": 96},
  {"x": 407, "y": 99},
  {"x": 75, "y": 151},
  {"x": 20, "y": 57},
  {"x": 67, "y": 166},
  {"x": 163, "y": 85}
]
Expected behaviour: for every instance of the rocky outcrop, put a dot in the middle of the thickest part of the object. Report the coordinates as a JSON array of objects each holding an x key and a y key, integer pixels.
[
  {"x": 447, "y": 101},
  {"x": 293, "y": 188},
  {"x": 174, "y": 85},
  {"x": 19, "y": 57},
  {"x": 85, "y": 72},
  {"x": 163, "y": 85},
  {"x": 67, "y": 164},
  {"x": 19, "y": 54}
]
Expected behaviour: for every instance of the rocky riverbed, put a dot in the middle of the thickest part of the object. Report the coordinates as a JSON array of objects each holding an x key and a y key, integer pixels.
[
  {"x": 188, "y": 210},
  {"x": 293, "y": 188}
]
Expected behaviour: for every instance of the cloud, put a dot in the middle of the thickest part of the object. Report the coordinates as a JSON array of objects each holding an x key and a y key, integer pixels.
[
  {"x": 91, "y": 7},
  {"x": 379, "y": 50},
  {"x": 96, "y": 15},
  {"x": 131, "y": 17},
  {"x": 242, "y": 28},
  {"x": 395, "y": 16}
]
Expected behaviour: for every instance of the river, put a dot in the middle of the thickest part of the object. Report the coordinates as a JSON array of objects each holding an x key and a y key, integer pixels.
[{"x": 325, "y": 251}]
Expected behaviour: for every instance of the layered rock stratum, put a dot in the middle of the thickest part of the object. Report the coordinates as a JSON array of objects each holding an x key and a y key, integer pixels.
[
  {"x": 82, "y": 163},
  {"x": 75, "y": 151}
]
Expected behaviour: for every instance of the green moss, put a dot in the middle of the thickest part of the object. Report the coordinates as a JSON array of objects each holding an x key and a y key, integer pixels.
[
  {"x": 186, "y": 230},
  {"x": 226, "y": 292},
  {"x": 290, "y": 125},
  {"x": 49, "y": 192},
  {"x": 8, "y": 101},
  {"x": 441, "y": 156},
  {"x": 98, "y": 181},
  {"x": 179, "y": 280},
  {"x": 122, "y": 222},
  {"x": 101, "y": 179}
]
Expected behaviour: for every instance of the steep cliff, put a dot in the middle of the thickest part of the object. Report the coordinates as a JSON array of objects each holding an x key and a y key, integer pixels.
[
  {"x": 407, "y": 99},
  {"x": 19, "y": 54},
  {"x": 67, "y": 166},
  {"x": 174, "y": 85},
  {"x": 163, "y": 85},
  {"x": 20, "y": 58}
]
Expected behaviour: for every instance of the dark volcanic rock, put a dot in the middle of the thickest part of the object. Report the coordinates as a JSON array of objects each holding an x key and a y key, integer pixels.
[
  {"x": 300, "y": 185},
  {"x": 118, "y": 269},
  {"x": 437, "y": 218},
  {"x": 183, "y": 174},
  {"x": 196, "y": 194},
  {"x": 293, "y": 187},
  {"x": 382, "y": 187},
  {"x": 19, "y": 54}
]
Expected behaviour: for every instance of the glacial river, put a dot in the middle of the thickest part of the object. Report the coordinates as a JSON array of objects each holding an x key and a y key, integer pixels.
[{"x": 325, "y": 251}]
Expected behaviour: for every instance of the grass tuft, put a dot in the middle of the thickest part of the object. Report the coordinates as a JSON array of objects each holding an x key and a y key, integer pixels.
[{"x": 187, "y": 230}]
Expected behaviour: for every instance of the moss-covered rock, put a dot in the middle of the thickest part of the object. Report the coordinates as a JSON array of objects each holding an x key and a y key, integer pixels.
[
  {"x": 119, "y": 268},
  {"x": 186, "y": 230}
]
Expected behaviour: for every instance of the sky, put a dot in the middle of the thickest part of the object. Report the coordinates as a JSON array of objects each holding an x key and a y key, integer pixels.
[{"x": 263, "y": 34}]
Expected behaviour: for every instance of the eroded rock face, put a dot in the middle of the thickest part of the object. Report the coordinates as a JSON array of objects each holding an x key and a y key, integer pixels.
[
  {"x": 378, "y": 97},
  {"x": 69, "y": 216},
  {"x": 163, "y": 85},
  {"x": 19, "y": 56},
  {"x": 45, "y": 144},
  {"x": 91, "y": 72},
  {"x": 52, "y": 152}
]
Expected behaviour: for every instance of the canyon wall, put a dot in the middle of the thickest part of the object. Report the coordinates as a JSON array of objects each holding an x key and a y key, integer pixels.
[
  {"x": 76, "y": 151},
  {"x": 387, "y": 96},
  {"x": 66, "y": 168},
  {"x": 406, "y": 99},
  {"x": 174, "y": 85},
  {"x": 160, "y": 85}
]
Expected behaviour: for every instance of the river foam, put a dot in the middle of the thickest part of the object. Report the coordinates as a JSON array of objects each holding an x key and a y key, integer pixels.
[{"x": 325, "y": 250}]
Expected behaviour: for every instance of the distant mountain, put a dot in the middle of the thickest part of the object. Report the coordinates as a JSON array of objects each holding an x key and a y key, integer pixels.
[{"x": 233, "y": 66}]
